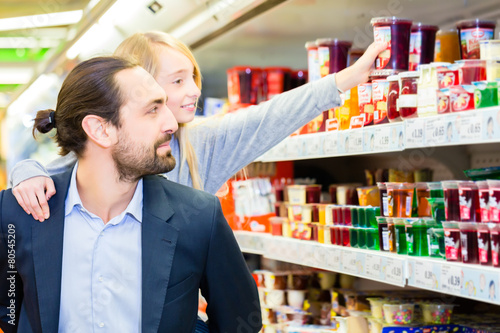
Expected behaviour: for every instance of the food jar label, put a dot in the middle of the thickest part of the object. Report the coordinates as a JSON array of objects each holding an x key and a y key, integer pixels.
[
  {"x": 415, "y": 49},
  {"x": 452, "y": 246},
  {"x": 324, "y": 61},
  {"x": 408, "y": 206},
  {"x": 385, "y": 240},
  {"x": 385, "y": 205},
  {"x": 470, "y": 41},
  {"x": 407, "y": 101},
  {"x": 313, "y": 65},
  {"x": 443, "y": 104},
  {"x": 275, "y": 84},
  {"x": 383, "y": 34},
  {"x": 465, "y": 249},
  {"x": 462, "y": 101},
  {"x": 364, "y": 93},
  {"x": 483, "y": 247},
  {"x": 447, "y": 78},
  {"x": 437, "y": 49},
  {"x": 233, "y": 87}
]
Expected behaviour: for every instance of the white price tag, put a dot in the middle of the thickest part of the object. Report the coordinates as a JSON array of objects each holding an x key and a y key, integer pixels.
[
  {"x": 292, "y": 147},
  {"x": 333, "y": 259},
  {"x": 414, "y": 133},
  {"x": 382, "y": 138},
  {"x": 470, "y": 127},
  {"x": 313, "y": 145},
  {"x": 435, "y": 131},
  {"x": 373, "y": 265},
  {"x": 451, "y": 279},
  {"x": 354, "y": 141},
  {"x": 349, "y": 261},
  {"x": 394, "y": 271},
  {"x": 330, "y": 143},
  {"x": 424, "y": 275}
]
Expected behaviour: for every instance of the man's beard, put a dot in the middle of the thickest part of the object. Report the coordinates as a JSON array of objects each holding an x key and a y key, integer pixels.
[{"x": 133, "y": 162}]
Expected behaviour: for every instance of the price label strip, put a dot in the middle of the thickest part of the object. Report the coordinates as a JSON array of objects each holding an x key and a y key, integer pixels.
[
  {"x": 393, "y": 270},
  {"x": 435, "y": 131},
  {"x": 414, "y": 133},
  {"x": 470, "y": 127},
  {"x": 313, "y": 145},
  {"x": 293, "y": 147},
  {"x": 373, "y": 266},
  {"x": 330, "y": 143},
  {"x": 381, "y": 138},
  {"x": 350, "y": 262},
  {"x": 353, "y": 141},
  {"x": 333, "y": 259},
  {"x": 425, "y": 275},
  {"x": 451, "y": 279}
]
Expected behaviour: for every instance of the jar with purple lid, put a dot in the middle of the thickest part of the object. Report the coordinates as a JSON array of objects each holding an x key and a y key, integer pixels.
[
  {"x": 470, "y": 32},
  {"x": 422, "y": 42},
  {"x": 395, "y": 31},
  {"x": 333, "y": 55}
]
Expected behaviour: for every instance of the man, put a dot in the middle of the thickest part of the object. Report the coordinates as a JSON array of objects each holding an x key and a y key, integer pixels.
[{"x": 124, "y": 251}]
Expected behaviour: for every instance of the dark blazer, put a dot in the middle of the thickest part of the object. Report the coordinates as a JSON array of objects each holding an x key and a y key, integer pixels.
[{"x": 186, "y": 245}]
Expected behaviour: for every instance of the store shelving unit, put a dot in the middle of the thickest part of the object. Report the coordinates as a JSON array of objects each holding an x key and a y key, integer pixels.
[
  {"x": 454, "y": 279},
  {"x": 473, "y": 128}
]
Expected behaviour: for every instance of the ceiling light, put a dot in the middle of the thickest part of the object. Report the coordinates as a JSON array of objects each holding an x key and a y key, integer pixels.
[
  {"x": 27, "y": 43},
  {"x": 39, "y": 21},
  {"x": 15, "y": 75}
]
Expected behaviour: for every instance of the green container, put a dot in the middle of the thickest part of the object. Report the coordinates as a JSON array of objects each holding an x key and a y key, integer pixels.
[
  {"x": 362, "y": 238},
  {"x": 436, "y": 242},
  {"x": 372, "y": 240},
  {"x": 485, "y": 94},
  {"x": 383, "y": 233},
  {"x": 435, "y": 189},
  {"x": 354, "y": 216},
  {"x": 362, "y": 217},
  {"x": 416, "y": 237},
  {"x": 399, "y": 226},
  {"x": 437, "y": 209},
  {"x": 353, "y": 235},
  {"x": 371, "y": 214}
]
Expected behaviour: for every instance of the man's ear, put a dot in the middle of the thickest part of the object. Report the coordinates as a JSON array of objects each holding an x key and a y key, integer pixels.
[{"x": 99, "y": 131}]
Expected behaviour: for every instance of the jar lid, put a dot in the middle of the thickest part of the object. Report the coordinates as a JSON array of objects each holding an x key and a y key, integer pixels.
[
  {"x": 390, "y": 20},
  {"x": 333, "y": 41},
  {"x": 452, "y": 31},
  {"x": 411, "y": 74},
  {"x": 311, "y": 44},
  {"x": 476, "y": 23},
  {"x": 392, "y": 78},
  {"x": 439, "y": 64},
  {"x": 247, "y": 69},
  {"x": 277, "y": 69},
  {"x": 383, "y": 73},
  {"x": 490, "y": 41},
  {"x": 421, "y": 26}
]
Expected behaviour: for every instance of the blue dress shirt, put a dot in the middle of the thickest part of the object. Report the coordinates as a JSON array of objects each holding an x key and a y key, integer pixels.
[{"x": 101, "y": 268}]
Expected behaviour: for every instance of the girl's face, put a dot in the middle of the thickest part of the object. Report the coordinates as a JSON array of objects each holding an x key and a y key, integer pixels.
[{"x": 176, "y": 77}]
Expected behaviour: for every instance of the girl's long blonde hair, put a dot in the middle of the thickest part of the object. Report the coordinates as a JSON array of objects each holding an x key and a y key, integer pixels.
[{"x": 144, "y": 49}]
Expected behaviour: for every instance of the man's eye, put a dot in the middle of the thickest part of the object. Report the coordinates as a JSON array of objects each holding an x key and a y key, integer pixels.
[{"x": 153, "y": 110}]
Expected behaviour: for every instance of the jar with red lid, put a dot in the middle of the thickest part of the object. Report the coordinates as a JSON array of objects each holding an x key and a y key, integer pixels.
[
  {"x": 365, "y": 102},
  {"x": 278, "y": 80},
  {"x": 408, "y": 94},
  {"x": 244, "y": 85},
  {"x": 395, "y": 31},
  {"x": 312, "y": 61},
  {"x": 422, "y": 42},
  {"x": 470, "y": 32},
  {"x": 471, "y": 70},
  {"x": 392, "y": 99},
  {"x": 333, "y": 55}
]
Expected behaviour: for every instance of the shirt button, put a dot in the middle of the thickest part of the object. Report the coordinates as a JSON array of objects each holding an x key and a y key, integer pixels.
[
  {"x": 101, "y": 324},
  {"x": 101, "y": 279}
]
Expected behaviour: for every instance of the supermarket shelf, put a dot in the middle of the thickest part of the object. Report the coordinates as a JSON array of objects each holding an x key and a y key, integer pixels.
[
  {"x": 459, "y": 128},
  {"x": 455, "y": 279}
]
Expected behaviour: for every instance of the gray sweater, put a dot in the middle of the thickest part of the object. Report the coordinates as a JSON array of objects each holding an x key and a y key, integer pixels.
[{"x": 226, "y": 144}]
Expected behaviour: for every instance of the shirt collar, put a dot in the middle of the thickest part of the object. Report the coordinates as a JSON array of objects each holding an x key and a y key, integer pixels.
[{"x": 134, "y": 207}]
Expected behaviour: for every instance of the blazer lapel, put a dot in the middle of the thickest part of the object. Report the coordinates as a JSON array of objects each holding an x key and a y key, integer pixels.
[
  {"x": 159, "y": 239},
  {"x": 47, "y": 238}
]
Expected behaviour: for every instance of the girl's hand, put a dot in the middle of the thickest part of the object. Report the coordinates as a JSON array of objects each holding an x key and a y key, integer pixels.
[
  {"x": 358, "y": 72},
  {"x": 32, "y": 195}
]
